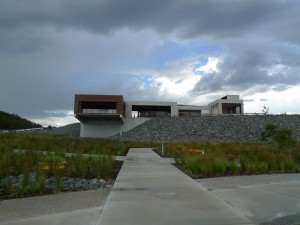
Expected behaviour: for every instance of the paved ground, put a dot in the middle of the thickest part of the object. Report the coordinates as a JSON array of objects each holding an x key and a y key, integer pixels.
[
  {"x": 261, "y": 197},
  {"x": 148, "y": 188},
  {"x": 64, "y": 208}
]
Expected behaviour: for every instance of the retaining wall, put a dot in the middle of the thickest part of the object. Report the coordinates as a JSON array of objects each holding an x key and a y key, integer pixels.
[{"x": 210, "y": 128}]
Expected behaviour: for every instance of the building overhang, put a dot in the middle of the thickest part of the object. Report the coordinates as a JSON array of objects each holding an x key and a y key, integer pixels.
[
  {"x": 192, "y": 107},
  {"x": 98, "y": 116},
  {"x": 231, "y": 104}
]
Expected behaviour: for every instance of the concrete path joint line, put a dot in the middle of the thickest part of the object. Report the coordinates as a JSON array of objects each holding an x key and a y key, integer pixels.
[{"x": 149, "y": 190}]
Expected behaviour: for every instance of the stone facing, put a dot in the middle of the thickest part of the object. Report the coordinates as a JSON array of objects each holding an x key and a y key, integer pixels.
[
  {"x": 204, "y": 128},
  {"x": 225, "y": 128}
]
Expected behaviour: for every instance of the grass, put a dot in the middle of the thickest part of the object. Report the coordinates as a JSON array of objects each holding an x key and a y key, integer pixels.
[
  {"x": 255, "y": 158},
  {"x": 45, "y": 156},
  {"x": 63, "y": 144}
]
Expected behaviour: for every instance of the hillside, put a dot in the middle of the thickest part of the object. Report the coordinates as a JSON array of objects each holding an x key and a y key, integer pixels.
[
  {"x": 12, "y": 122},
  {"x": 72, "y": 130},
  {"x": 210, "y": 128}
]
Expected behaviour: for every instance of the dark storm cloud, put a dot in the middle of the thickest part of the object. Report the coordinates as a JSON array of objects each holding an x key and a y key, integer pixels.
[
  {"x": 189, "y": 17},
  {"x": 252, "y": 62},
  {"x": 50, "y": 50}
]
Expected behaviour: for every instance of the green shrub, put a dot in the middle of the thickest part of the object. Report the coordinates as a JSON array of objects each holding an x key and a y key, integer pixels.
[
  {"x": 263, "y": 167},
  {"x": 83, "y": 167},
  {"x": 206, "y": 167},
  {"x": 234, "y": 168},
  {"x": 58, "y": 182},
  {"x": 42, "y": 184},
  {"x": 219, "y": 165},
  {"x": 193, "y": 163},
  {"x": 290, "y": 166}
]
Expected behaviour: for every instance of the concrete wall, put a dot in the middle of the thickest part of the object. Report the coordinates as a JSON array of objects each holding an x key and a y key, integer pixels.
[
  {"x": 108, "y": 128},
  {"x": 232, "y": 98},
  {"x": 215, "y": 108}
]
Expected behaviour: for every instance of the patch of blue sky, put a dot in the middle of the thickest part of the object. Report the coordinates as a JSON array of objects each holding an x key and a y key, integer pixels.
[
  {"x": 146, "y": 79},
  {"x": 158, "y": 84},
  {"x": 172, "y": 51},
  {"x": 202, "y": 61}
]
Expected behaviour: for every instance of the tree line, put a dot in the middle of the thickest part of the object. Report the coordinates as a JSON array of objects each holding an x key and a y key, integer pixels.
[{"x": 12, "y": 122}]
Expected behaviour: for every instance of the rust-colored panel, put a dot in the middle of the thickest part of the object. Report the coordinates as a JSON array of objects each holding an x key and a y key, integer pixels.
[
  {"x": 224, "y": 109},
  {"x": 99, "y": 98}
]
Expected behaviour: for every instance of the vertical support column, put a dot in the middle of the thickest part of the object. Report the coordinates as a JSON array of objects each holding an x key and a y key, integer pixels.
[
  {"x": 219, "y": 108},
  {"x": 128, "y": 110},
  {"x": 238, "y": 109},
  {"x": 174, "y": 110}
]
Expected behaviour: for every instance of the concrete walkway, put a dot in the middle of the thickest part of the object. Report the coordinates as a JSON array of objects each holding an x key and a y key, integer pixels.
[{"x": 149, "y": 190}]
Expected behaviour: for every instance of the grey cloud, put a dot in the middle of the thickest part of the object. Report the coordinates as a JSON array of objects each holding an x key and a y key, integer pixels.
[
  {"x": 15, "y": 42},
  {"x": 251, "y": 62},
  {"x": 178, "y": 81},
  {"x": 190, "y": 17},
  {"x": 280, "y": 88},
  {"x": 248, "y": 100},
  {"x": 50, "y": 50},
  {"x": 263, "y": 100}
]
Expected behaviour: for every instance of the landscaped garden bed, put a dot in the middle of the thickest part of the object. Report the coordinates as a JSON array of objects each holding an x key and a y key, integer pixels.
[
  {"x": 229, "y": 159},
  {"x": 42, "y": 164},
  {"x": 39, "y": 164}
]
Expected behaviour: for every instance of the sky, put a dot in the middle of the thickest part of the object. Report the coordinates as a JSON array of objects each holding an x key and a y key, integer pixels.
[{"x": 188, "y": 51}]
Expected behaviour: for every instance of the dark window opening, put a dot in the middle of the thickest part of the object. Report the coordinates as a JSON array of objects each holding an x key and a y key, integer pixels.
[
  {"x": 189, "y": 113},
  {"x": 151, "y": 111},
  {"x": 228, "y": 108},
  {"x": 98, "y": 107}
]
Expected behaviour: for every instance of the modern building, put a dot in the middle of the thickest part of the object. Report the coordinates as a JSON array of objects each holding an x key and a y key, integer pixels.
[
  {"x": 229, "y": 104},
  {"x": 108, "y": 115}
]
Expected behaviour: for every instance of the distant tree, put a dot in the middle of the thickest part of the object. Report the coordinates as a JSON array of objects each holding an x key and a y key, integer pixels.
[
  {"x": 265, "y": 110},
  {"x": 12, "y": 122},
  {"x": 284, "y": 138},
  {"x": 268, "y": 133}
]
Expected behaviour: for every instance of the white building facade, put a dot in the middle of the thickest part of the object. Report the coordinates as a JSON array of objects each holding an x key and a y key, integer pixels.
[{"x": 107, "y": 115}]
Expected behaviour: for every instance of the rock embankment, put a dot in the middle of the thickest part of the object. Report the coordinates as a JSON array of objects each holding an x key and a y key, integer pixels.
[
  {"x": 210, "y": 128},
  {"x": 67, "y": 183},
  {"x": 72, "y": 130}
]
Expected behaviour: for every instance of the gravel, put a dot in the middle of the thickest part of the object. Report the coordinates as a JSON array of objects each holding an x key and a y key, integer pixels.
[
  {"x": 286, "y": 220},
  {"x": 68, "y": 183},
  {"x": 224, "y": 128},
  {"x": 246, "y": 128},
  {"x": 72, "y": 130}
]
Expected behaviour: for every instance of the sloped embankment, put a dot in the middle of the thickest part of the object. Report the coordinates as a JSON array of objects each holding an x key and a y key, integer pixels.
[
  {"x": 210, "y": 128},
  {"x": 72, "y": 130}
]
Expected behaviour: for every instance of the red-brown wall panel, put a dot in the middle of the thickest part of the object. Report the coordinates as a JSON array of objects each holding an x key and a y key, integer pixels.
[{"x": 99, "y": 98}]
